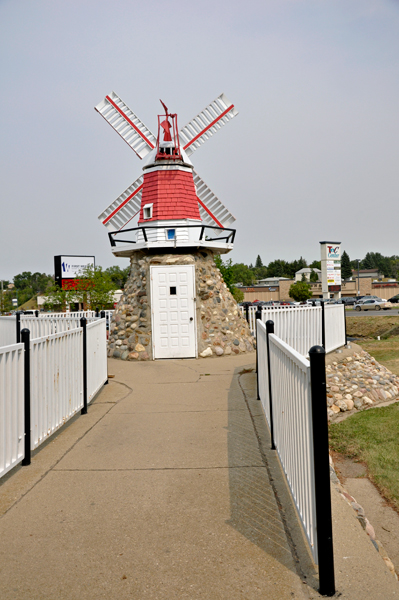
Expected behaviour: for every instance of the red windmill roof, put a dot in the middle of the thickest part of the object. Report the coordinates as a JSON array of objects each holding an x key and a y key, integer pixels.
[{"x": 172, "y": 194}]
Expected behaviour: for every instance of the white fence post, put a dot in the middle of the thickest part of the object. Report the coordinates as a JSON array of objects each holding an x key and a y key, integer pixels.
[{"x": 11, "y": 406}]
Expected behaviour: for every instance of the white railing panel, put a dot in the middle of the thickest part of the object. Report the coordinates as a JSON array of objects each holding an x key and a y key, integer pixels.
[
  {"x": 96, "y": 343},
  {"x": 11, "y": 406},
  {"x": 293, "y": 433},
  {"x": 8, "y": 331},
  {"x": 334, "y": 326},
  {"x": 56, "y": 382},
  {"x": 300, "y": 328}
]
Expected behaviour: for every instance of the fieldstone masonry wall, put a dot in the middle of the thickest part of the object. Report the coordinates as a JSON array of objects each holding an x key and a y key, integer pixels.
[{"x": 220, "y": 328}]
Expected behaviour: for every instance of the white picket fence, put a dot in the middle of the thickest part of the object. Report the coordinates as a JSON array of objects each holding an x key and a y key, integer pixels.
[
  {"x": 69, "y": 315},
  {"x": 334, "y": 326},
  {"x": 292, "y": 425},
  {"x": 8, "y": 331},
  {"x": 56, "y": 382},
  {"x": 40, "y": 327},
  {"x": 96, "y": 357},
  {"x": 301, "y": 327},
  {"x": 11, "y": 406}
]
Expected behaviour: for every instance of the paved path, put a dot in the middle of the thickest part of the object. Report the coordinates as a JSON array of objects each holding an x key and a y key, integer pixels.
[{"x": 167, "y": 490}]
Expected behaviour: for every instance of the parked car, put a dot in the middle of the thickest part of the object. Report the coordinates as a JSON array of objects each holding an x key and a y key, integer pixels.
[
  {"x": 350, "y": 300},
  {"x": 394, "y": 299},
  {"x": 373, "y": 304}
]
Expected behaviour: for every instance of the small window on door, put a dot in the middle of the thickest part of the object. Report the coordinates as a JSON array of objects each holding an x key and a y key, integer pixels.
[
  {"x": 171, "y": 234},
  {"x": 172, "y": 290},
  {"x": 147, "y": 211}
]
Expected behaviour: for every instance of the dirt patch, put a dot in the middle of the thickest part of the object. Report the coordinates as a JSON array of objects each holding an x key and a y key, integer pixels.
[{"x": 347, "y": 467}]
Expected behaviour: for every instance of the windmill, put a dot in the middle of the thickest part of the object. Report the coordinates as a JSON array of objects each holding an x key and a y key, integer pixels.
[
  {"x": 175, "y": 303},
  {"x": 143, "y": 142}
]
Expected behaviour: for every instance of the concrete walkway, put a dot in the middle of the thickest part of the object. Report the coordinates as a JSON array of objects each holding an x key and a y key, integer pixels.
[{"x": 167, "y": 490}]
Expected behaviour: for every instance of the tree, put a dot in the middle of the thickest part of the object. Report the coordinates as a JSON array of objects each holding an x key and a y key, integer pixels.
[
  {"x": 242, "y": 274},
  {"x": 346, "y": 269},
  {"x": 313, "y": 276},
  {"x": 316, "y": 264},
  {"x": 258, "y": 262},
  {"x": 94, "y": 288},
  {"x": 226, "y": 269},
  {"x": 118, "y": 276},
  {"x": 300, "y": 291}
]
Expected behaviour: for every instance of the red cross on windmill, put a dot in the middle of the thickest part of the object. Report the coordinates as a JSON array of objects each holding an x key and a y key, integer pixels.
[{"x": 167, "y": 166}]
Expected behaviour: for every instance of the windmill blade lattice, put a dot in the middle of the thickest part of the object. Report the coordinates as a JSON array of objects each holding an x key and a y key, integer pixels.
[
  {"x": 124, "y": 208},
  {"x": 212, "y": 210},
  {"x": 206, "y": 123},
  {"x": 127, "y": 124}
]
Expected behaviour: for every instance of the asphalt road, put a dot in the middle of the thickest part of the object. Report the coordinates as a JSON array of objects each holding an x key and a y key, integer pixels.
[{"x": 363, "y": 313}]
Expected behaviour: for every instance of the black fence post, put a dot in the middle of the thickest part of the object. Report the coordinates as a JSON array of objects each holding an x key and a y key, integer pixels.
[
  {"x": 247, "y": 312},
  {"x": 18, "y": 325},
  {"x": 270, "y": 329},
  {"x": 258, "y": 315},
  {"x": 36, "y": 313},
  {"x": 323, "y": 326},
  {"x": 83, "y": 323},
  {"x": 25, "y": 335},
  {"x": 317, "y": 357},
  {"x": 97, "y": 312},
  {"x": 102, "y": 314}
]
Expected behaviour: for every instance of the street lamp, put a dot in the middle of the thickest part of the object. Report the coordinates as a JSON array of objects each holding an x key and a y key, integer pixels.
[{"x": 358, "y": 275}]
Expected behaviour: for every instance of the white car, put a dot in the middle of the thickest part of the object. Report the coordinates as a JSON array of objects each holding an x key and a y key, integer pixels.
[{"x": 372, "y": 304}]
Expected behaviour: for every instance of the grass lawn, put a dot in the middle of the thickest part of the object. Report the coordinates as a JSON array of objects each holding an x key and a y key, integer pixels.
[
  {"x": 385, "y": 351},
  {"x": 372, "y": 326},
  {"x": 372, "y": 437}
]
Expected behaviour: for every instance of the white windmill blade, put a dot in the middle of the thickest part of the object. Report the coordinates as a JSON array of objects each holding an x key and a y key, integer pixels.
[
  {"x": 212, "y": 211},
  {"x": 127, "y": 124},
  {"x": 206, "y": 123},
  {"x": 124, "y": 208}
]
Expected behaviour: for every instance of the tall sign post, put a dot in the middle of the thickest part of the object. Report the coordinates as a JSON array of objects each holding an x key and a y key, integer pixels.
[{"x": 331, "y": 269}]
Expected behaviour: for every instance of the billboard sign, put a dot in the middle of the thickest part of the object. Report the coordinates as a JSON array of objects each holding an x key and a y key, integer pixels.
[{"x": 67, "y": 267}]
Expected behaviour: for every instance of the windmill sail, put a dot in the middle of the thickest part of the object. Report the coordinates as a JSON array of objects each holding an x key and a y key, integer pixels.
[
  {"x": 127, "y": 124},
  {"x": 124, "y": 208},
  {"x": 206, "y": 123},
  {"x": 212, "y": 211}
]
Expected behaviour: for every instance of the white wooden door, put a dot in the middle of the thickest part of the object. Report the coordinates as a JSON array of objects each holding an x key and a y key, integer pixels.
[{"x": 174, "y": 329}]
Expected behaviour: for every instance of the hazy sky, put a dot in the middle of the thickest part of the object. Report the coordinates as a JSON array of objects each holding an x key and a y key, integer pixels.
[{"x": 313, "y": 154}]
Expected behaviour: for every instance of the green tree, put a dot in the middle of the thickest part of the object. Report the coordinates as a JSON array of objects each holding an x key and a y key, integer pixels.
[
  {"x": 242, "y": 274},
  {"x": 31, "y": 284},
  {"x": 94, "y": 288},
  {"x": 227, "y": 271},
  {"x": 300, "y": 291},
  {"x": 303, "y": 278},
  {"x": 316, "y": 264},
  {"x": 118, "y": 276},
  {"x": 313, "y": 276},
  {"x": 258, "y": 262},
  {"x": 346, "y": 269},
  {"x": 278, "y": 268}
]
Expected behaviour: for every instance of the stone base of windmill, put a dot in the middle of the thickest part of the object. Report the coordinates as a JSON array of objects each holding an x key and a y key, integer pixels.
[{"x": 221, "y": 330}]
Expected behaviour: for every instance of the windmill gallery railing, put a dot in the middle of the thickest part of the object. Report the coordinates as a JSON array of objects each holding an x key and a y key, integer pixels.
[
  {"x": 44, "y": 382},
  {"x": 292, "y": 391},
  {"x": 178, "y": 233},
  {"x": 304, "y": 326}
]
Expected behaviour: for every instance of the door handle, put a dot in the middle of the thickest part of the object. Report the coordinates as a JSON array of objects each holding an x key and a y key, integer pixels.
[{"x": 191, "y": 318}]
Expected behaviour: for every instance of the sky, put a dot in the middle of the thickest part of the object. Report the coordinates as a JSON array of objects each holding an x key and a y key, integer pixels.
[{"x": 312, "y": 155}]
